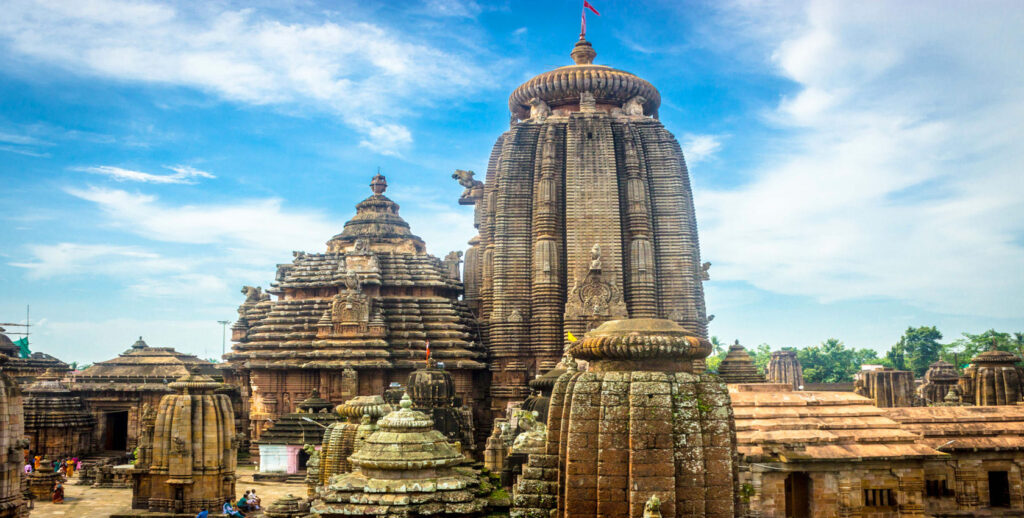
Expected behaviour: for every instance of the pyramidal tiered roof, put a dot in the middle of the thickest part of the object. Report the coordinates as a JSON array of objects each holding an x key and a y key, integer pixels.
[
  {"x": 738, "y": 366},
  {"x": 371, "y": 301},
  {"x": 141, "y": 367}
]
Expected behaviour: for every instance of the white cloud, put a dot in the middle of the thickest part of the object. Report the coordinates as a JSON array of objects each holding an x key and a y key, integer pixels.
[
  {"x": 258, "y": 231},
  {"x": 182, "y": 174},
  {"x": 99, "y": 340},
  {"x": 699, "y": 148},
  {"x": 367, "y": 74},
  {"x": 68, "y": 259},
  {"x": 898, "y": 175},
  {"x": 187, "y": 285}
]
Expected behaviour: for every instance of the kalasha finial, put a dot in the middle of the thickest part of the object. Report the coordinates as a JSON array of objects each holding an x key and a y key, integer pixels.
[
  {"x": 379, "y": 184},
  {"x": 583, "y": 52}
]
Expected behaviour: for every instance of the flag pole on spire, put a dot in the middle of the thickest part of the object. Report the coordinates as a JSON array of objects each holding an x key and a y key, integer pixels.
[{"x": 583, "y": 18}]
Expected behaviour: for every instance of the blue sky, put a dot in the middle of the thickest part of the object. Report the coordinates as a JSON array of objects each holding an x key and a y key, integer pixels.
[{"x": 857, "y": 166}]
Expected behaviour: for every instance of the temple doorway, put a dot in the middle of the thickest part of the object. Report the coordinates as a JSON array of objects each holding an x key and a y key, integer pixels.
[
  {"x": 115, "y": 431},
  {"x": 303, "y": 459},
  {"x": 798, "y": 495},
  {"x": 998, "y": 489}
]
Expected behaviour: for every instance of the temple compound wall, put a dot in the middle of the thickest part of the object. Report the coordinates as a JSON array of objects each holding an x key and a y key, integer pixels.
[{"x": 354, "y": 320}]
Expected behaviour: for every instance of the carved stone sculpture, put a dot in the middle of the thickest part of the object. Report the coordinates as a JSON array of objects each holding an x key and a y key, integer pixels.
[
  {"x": 539, "y": 110},
  {"x": 474, "y": 188},
  {"x": 634, "y": 106}
]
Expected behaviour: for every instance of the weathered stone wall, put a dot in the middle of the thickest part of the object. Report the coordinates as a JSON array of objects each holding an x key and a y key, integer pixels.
[
  {"x": 887, "y": 387},
  {"x": 12, "y": 447}
]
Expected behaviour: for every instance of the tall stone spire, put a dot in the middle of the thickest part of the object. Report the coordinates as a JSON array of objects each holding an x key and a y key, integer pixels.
[{"x": 586, "y": 215}]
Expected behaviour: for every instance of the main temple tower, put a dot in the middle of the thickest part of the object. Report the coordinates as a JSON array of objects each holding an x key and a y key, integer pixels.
[{"x": 586, "y": 216}]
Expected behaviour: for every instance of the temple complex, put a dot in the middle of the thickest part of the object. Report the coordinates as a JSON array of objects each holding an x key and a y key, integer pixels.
[
  {"x": 354, "y": 319},
  {"x": 887, "y": 387},
  {"x": 117, "y": 390},
  {"x": 738, "y": 366},
  {"x": 57, "y": 423},
  {"x": 585, "y": 215},
  {"x": 187, "y": 454},
  {"x": 12, "y": 446},
  {"x": 784, "y": 367},
  {"x": 993, "y": 378}
]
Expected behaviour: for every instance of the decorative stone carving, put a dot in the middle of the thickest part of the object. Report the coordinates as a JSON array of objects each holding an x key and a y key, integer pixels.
[
  {"x": 252, "y": 293},
  {"x": 451, "y": 265},
  {"x": 595, "y": 297},
  {"x": 634, "y": 106},
  {"x": 474, "y": 188},
  {"x": 539, "y": 110},
  {"x": 588, "y": 104}
]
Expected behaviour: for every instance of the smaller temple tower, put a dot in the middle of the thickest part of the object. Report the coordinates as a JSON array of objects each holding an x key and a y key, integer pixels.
[
  {"x": 738, "y": 366},
  {"x": 57, "y": 424},
  {"x": 938, "y": 379},
  {"x": 886, "y": 387},
  {"x": 784, "y": 367},
  {"x": 993, "y": 378},
  {"x": 188, "y": 454}
]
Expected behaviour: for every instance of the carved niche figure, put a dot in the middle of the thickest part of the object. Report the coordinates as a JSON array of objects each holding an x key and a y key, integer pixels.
[
  {"x": 539, "y": 110},
  {"x": 588, "y": 104},
  {"x": 352, "y": 306},
  {"x": 546, "y": 261},
  {"x": 705, "y": 275},
  {"x": 593, "y": 296},
  {"x": 451, "y": 264},
  {"x": 474, "y": 188},
  {"x": 595, "y": 258},
  {"x": 515, "y": 316},
  {"x": 361, "y": 246},
  {"x": 634, "y": 106}
]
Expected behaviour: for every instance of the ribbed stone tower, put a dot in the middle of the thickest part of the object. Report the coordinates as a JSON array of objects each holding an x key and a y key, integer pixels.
[
  {"x": 887, "y": 387},
  {"x": 993, "y": 378},
  {"x": 638, "y": 424},
  {"x": 784, "y": 367},
  {"x": 586, "y": 215},
  {"x": 12, "y": 444},
  {"x": 738, "y": 366},
  {"x": 188, "y": 454}
]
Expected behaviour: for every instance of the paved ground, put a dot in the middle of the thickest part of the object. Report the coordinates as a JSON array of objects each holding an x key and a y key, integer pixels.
[{"x": 89, "y": 502}]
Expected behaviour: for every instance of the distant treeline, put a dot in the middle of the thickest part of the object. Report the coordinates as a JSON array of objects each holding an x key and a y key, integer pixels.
[{"x": 919, "y": 347}]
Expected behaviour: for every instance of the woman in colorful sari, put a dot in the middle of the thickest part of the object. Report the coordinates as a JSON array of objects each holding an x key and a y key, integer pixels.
[{"x": 58, "y": 493}]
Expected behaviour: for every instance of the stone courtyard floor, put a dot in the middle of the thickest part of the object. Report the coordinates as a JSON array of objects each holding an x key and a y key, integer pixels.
[{"x": 89, "y": 502}]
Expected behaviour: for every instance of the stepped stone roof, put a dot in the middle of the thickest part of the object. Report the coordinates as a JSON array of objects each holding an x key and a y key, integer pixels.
[
  {"x": 50, "y": 404},
  {"x": 371, "y": 301},
  {"x": 294, "y": 429},
  {"x": 738, "y": 366},
  {"x": 141, "y": 367},
  {"x": 25, "y": 370},
  {"x": 951, "y": 428},
  {"x": 776, "y": 423}
]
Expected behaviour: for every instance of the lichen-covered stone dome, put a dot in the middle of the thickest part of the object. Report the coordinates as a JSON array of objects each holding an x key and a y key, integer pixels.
[
  {"x": 641, "y": 339},
  {"x": 562, "y": 86}
]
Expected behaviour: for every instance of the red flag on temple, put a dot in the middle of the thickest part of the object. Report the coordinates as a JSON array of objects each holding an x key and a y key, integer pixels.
[
  {"x": 583, "y": 14},
  {"x": 428, "y": 351}
]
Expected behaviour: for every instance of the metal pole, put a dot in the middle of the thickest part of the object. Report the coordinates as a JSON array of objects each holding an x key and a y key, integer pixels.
[{"x": 223, "y": 335}]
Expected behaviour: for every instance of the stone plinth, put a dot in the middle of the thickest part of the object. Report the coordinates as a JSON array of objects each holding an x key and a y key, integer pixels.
[
  {"x": 992, "y": 379},
  {"x": 738, "y": 366},
  {"x": 938, "y": 379},
  {"x": 638, "y": 424},
  {"x": 188, "y": 452},
  {"x": 784, "y": 367},
  {"x": 288, "y": 507},
  {"x": 12, "y": 446},
  {"x": 405, "y": 468},
  {"x": 886, "y": 387}
]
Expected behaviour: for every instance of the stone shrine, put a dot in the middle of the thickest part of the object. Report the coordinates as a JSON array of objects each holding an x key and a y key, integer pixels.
[
  {"x": 586, "y": 215},
  {"x": 938, "y": 379},
  {"x": 784, "y": 367},
  {"x": 432, "y": 391},
  {"x": 637, "y": 424},
  {"x": 187, "y": 455},
  {"x": 57, "y": 424},
  {"x": 738, "y": 366},
  {"x": 26, "y": 370},
  {"x": 405, "y": 468},
  {"x": 12, "y": 446},
  {"x": 282, "y": 445},
  {"x": 350, "y": 321},
  {"x": 993, "y": 378},
  {"x": 340, "y": 439},
  {"x": 886, "y": 387}
]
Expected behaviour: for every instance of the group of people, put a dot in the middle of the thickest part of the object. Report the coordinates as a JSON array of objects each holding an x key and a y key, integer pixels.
[
  {"x": 65, "y": 467},
  {"x": 249, "y": 503}
]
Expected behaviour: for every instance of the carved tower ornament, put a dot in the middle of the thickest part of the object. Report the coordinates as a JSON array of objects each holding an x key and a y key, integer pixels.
[
  {"x": 539, "y": 110},
  {"x": 474, "y": 188},
  {"x": 595, "y": 298},
  {"x": 634, "y": 106},
  {"x": 588, "y": 103}
]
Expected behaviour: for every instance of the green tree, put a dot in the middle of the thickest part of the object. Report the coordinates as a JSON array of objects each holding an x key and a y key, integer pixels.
[
  {"x": 718, "y": 353},
  {"x": 832, "y": 362},
  {"x": 761, "y": 355},
  {"x": 918, "y": 348},
  {"x": 963, "y": 349}
]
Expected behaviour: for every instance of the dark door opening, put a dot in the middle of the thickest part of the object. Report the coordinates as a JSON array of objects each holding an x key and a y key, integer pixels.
[
  {"x": 998, "y": 489},
  {"x": 115, "y": 431},
  {"x": 798, "y": 495},
  {"x": 303, "y": 458}
]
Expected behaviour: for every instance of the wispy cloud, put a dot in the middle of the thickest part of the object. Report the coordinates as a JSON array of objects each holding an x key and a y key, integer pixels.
[
  {"x": 897, "y": 171},
  {"x": 183, "y": 174},
  {"x": 698, "y": 148},
  {"x": 367, "y": 74},
  {"x": 69, "y": 259}
]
